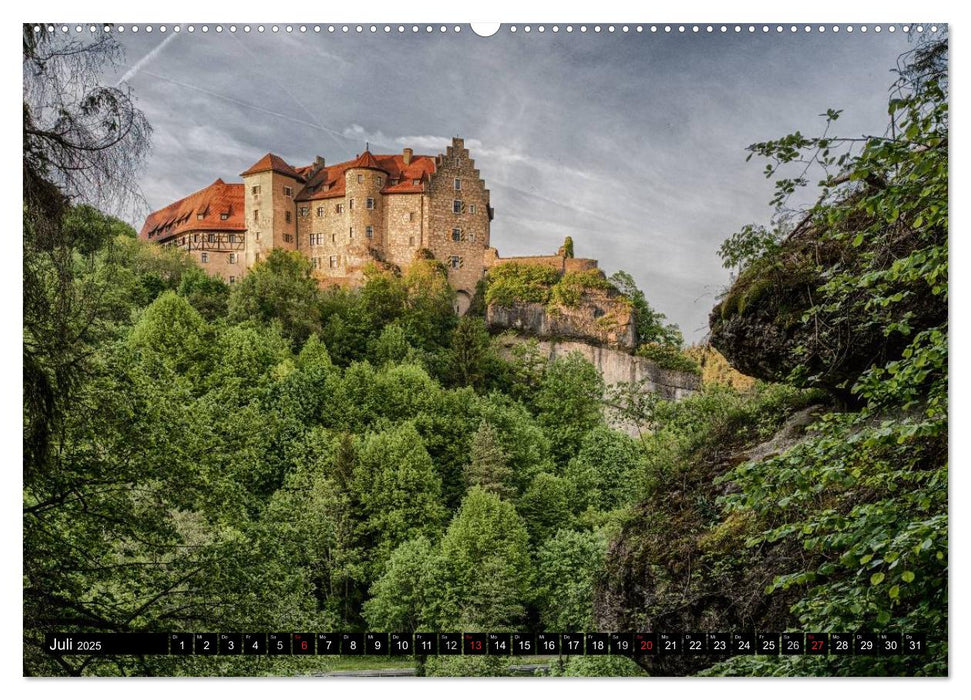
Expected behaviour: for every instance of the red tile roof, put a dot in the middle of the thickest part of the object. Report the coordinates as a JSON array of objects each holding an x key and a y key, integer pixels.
[
  {"x": 275, "y": 163},
  {"x": 329, "y": 181},
  {"x": 213, "y": 202},
  {"x": 222, "y": 198}
]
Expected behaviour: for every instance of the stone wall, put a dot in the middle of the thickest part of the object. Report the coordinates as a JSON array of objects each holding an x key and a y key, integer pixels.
[
  {"x": 404, "y": 234},
  {"x": 560, "y": 263}
]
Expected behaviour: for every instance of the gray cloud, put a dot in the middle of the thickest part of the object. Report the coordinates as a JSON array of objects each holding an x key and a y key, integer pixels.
[{"x": 633, "y": 144}]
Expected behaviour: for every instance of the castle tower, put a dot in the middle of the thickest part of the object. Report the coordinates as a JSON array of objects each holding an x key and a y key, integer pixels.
[
  {"x": 363, "y": 182},
  {"x": 270, "y": 186}
]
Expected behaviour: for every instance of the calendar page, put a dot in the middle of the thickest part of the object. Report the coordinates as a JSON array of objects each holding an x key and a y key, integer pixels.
[{"x": 534, "y": 349}]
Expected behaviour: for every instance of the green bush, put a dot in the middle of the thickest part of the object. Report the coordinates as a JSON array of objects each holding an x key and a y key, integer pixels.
[
  {"x": 568, "y": 291},
  {"x": 515, "y": 283}
]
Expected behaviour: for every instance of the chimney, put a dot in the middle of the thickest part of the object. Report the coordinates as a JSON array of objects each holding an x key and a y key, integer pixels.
[
  {"x": 407, "y": 156},
  {"x": 319, "y": 162}
]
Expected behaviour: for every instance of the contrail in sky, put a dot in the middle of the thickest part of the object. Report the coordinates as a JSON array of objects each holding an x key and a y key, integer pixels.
[{"x": 146, "y": 59}]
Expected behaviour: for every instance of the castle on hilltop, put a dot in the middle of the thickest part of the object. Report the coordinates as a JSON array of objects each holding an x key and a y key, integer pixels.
[{"x": 384, "y": 209}]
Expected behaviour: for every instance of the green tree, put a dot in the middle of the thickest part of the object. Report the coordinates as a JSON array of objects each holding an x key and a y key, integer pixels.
[
  {"x": 484, "y": 571},
  {"x": 391, "y": 346},
  {"x": 603, "y": 469},
  {"x": 172, "y": 333},
  {"x": 547, "y": 505},
  {"x": 566, "y": 568},
  {"x": 488, "y": 466},
  {"x": 401, "y": 598},
  {"x": 472, "y": 360},
  {"x": 313, "y": 354},
  {"x": 569, "y": 404},
  {"x": 398, "y": 489},
  {"x": 208, "y": 294},
  {"x": 280, "y": 288}
]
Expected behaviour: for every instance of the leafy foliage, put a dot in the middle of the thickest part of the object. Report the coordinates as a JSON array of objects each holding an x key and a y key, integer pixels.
[{"x": 843, "y": 515}]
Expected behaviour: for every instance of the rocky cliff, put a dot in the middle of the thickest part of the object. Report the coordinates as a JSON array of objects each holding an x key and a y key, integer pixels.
[
  {"x": 599, "y": 319},
  {"x": 615, "y": 367}
]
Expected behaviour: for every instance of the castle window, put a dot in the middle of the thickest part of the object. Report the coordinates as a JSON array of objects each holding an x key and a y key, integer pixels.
[
  {"x": 257, "y": 257},
  {"x": 416, "y": 182},
  {"x": 456, "y": 206},
  {"x": 370, "y": 202},
  {"x": 320, "y": 211},
  {"x": 350, "y": 232},
  {"x": 333, "y": 261},
  {"x": 369, "y": 232},
  {"x": 472, "y": 209},
  {"x": 360, "y": 178},
  {"x": 232, "y": 258},
  {"x": 457, "y": 184},
  {"x": 211, "y": 238},
  {"x": 287, "y": 238},
  {"x": 256, "y": 215},
  {"x": 304, "y": 211},
  {"x": 350, "y": 204},
  {"x": 287, "y": 191},
  {"x": 205, "y": 257},
  {"x": 378, "y": 180},
  {"x": 232, "y": 238},
  {"x": 200, "y": 216},
  {"x": 455, "y": 261},
  {"x": 333, "y": 238},
  {"x": 456, "y": 234},
  {"x": 472, "y": 236},
  {"x": 411, "y": 241},
  {"x": 287, "y": 216},
  {"x": 257, "y": 235},
  {"x": 339, "y": 208},
  {"x": 394, "y": 181},
  {"x": 224, "y": 216},
  {"x": 256, "y": 189},
  {"x": 411, "y": 216},
  {"x": 232, "y": 279}
]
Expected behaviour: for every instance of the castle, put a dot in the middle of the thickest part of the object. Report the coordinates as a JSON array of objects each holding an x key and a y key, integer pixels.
[{"x": 383, "y": 209}]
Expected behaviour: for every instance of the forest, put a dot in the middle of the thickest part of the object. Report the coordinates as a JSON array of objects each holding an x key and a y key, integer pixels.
[{"x": 273, "y": 456}]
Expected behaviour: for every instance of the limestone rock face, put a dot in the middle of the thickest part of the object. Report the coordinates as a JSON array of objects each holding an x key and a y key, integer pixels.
[
  {"x": 617, "y": 367},
  {"x": 598, "y": 319}
]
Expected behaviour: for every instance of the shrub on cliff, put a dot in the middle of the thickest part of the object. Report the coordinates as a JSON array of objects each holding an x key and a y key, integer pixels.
[{"x": 515, "y": 283}]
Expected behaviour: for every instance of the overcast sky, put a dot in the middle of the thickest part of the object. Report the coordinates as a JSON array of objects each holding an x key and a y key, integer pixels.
[{"x": 634, "y": 144}]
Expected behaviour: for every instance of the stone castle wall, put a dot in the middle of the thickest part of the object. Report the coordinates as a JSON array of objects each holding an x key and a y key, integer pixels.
[{"x": 558, "y": 262}]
